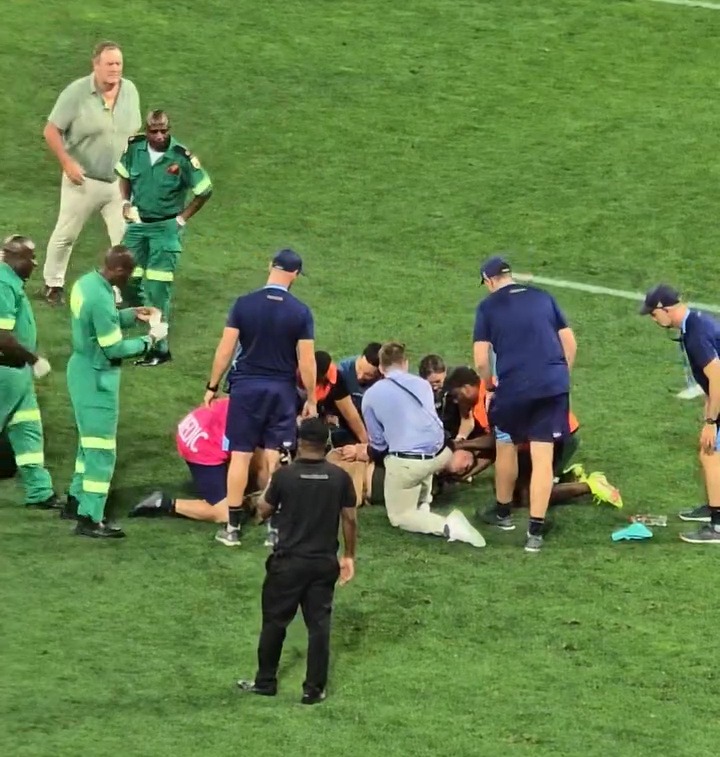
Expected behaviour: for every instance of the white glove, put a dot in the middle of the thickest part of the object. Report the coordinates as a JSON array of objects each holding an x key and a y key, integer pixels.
[
  {"x": 41, "y": 368},
  {"x": 159, "y": 331}
]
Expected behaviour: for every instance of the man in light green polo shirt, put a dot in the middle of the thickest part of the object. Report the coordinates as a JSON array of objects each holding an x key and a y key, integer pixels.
[{"x": 88, "y": 130}]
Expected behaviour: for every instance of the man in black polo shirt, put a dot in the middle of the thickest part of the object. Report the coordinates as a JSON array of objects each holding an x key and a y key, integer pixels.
[{"x": 307, "y": 498}]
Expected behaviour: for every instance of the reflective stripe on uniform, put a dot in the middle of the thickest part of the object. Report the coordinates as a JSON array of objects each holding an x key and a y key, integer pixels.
[
  {"x": 96, "y": 442},
  {"x": 7, "y": 324},
  {"x": 95, "y": 487},
  {"x": 202, "y": 186},
  {"x": 120, "y": 170},
  {"x": 30, "y": 458},
  {"x": 109, "y": 339},
  {"x": 153, "y": 275},
  {"x": 79, "y": 466},
  {"x": 137, "y": 273},
  {"x": 25, "y": 416}
]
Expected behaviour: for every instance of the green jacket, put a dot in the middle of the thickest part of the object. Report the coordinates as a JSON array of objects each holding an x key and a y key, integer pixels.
[{"x": 97, "y": 324}]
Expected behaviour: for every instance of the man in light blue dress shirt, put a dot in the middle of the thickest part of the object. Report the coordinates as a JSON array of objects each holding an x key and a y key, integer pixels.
[{"x": 404, "y": 429}]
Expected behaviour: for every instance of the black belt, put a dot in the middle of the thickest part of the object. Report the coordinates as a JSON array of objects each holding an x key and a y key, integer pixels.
[
  {"x": 417, "y": 455},
  {"x": 157, "y": 220}
]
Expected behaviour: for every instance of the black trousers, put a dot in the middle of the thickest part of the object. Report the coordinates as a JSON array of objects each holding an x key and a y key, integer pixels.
[{"x": 292, "y": 582}]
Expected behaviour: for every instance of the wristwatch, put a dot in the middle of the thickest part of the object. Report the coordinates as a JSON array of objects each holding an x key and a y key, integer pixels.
[
  {"x": 711, "y": 421},
  {"x": 212, "y": 388}
]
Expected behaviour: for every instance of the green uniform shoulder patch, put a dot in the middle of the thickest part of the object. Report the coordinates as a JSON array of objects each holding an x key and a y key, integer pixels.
[
  {"x": 194, "y": 162},
  {"x": 135, "y": 139}
]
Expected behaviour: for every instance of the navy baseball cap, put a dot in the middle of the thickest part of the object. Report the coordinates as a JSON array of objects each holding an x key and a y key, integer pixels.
[
  {"x": 288, "y": 261},
  {"x": 494, "y": 266},
  {"x": 660, "y": 296}
]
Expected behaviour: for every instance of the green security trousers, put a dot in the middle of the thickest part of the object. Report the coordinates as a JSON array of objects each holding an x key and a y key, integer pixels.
[
  {"x": 20, "y": 418},
  {"x": 95, "y": 399},
  {"x": 157, "y": 248}
]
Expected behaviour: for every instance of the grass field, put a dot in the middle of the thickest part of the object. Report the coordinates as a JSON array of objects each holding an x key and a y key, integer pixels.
[{"x": 394, "y": 145}]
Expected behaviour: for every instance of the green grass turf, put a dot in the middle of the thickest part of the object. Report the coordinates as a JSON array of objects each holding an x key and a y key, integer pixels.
[{"x": 393, "y": 144}]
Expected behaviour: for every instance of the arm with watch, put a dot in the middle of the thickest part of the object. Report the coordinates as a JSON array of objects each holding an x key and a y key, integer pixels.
[
  {"x": 708, "y": 435},
  {"x": 221, "y": 362}
]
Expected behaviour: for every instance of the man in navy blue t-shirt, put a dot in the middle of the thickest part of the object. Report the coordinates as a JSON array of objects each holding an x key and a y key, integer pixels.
[
  {"x": 700, "y": 338},
  {"x": 270, "y": 333},
  {"x": 534, "y": 351}
]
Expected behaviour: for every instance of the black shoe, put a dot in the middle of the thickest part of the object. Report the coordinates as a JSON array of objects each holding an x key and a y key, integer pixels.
[
  {"x": 153, "y": 359},
  {"x": 154, "y": 504},
  {"x": 54, "y": 295},
  {"x": 313, "y": 697},
  {"x": 103, "y": 530},
  {"x": 249, "y": 687},
  {"x": 51, "y": 503},
  {"x": 70, "y": 511}
]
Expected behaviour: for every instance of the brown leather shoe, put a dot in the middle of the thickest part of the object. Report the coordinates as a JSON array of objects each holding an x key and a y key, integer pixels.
[{"x": 54, "y": 295}]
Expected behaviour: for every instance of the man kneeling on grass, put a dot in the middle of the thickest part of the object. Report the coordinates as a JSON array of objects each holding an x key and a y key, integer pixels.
[
  {"x": 570, "y": 480},
  {"x": 200, "y": 442}
]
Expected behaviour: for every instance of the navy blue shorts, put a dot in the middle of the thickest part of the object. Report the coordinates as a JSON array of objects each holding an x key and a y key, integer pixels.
[
  {"x": 537, "y": 420},
  {"x": 261, "y": 414},
  {"x": 210, "y": 481}
]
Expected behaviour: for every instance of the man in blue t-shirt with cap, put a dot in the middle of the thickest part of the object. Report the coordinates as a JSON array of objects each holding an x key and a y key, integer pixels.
[
  {"x": 700, "y": 338},
  {"x": 271, "y": 334},
  {"x": 534, "y": 350}
]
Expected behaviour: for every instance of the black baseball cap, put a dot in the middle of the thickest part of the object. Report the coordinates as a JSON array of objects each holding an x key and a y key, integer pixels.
[
  {"x": 315, "y": 431},
  {"x": 288, "y": 261},
  {"x": 660, "y": 296},
  {"x": 494, "y": 266}
]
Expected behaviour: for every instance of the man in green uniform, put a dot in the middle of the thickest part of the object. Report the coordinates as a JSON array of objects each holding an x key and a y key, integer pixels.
[
  {"x": 93, "y": 378},
  {"x": 156, "y": 173},
  {"x": 19, "y": 411}
]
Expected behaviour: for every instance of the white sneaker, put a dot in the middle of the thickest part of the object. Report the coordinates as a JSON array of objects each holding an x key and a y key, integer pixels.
[
  {"x": 459, "y": 528},
  {"x": 690, "y": 392}
]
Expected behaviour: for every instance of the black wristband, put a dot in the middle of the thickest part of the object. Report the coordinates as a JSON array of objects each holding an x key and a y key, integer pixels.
[
  {"x": 710, "y": 421},
  {"x": 212, "y": 388}
]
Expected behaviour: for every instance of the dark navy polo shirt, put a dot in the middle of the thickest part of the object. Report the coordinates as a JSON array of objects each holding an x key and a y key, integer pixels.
[
  {"x": 271, "y": 322},
  {"x": 522, "y": 323},
  {"x": 700, "y": 336}
]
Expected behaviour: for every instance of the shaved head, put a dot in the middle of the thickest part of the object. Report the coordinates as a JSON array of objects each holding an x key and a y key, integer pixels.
[
  {"x": 16, "y": 244},
  {"x": 118, "y": 256}
]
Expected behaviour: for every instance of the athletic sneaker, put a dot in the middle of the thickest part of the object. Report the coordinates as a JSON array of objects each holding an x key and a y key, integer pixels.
[
  {"x": 228, "y": 538},
  {"x": 704, "y": 535},
  {"x": 690, "y": 392},
  {"x": 576, "y": 471},
  {"x": 491, "y": 517},
  {"x": 533, "y": 543},
  {"x": 602, "y": 490},
  {"x": 698, "y": 514},
  {"x": 271, "y": 539},
  {"x": 459, "y": 528}
]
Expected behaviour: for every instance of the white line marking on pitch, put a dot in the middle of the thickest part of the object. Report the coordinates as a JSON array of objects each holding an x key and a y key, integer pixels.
[
  {"x": 691, "y": 4},
  {"x": 593, "y": 289}
]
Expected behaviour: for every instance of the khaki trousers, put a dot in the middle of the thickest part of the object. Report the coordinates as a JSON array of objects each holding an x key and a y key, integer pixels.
[
  {"x": 408, "y": 486},
  {"x": 77, "y": 204}
]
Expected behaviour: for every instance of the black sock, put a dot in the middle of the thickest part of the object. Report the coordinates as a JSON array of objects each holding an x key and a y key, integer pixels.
[
  {"x": 237, "y": 517},
  {"x": 715, "y": 517},
  {"x": 503, "y": 511},
  {"x": 167, "y": 504},
  {"x": 536, "y": 525}
]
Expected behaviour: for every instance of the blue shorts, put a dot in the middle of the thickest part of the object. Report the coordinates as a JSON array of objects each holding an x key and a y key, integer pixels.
[
  {"x": 261, "y": 414},
  {"x": 537, "y": 420},
  {"x": 210, "y": 481}
]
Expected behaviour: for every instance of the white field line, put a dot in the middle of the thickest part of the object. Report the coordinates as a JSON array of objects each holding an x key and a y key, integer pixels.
[
  {"x": 593, "y": 289},
  {"x": 691, "y": 4}
]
